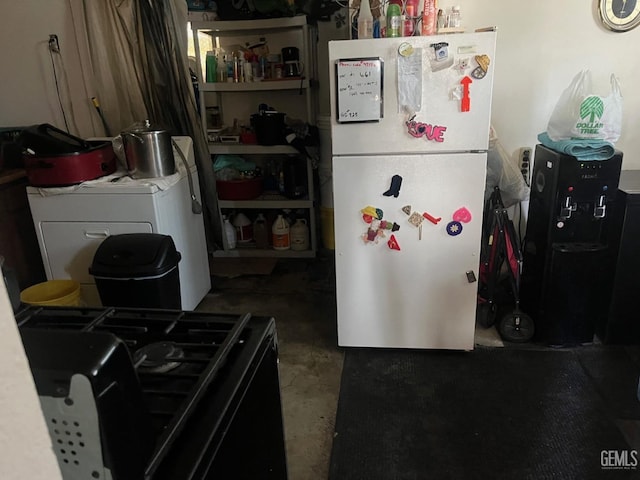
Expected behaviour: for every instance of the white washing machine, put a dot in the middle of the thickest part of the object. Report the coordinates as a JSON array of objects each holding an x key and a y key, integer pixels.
[{"x": 71, "y": 222}]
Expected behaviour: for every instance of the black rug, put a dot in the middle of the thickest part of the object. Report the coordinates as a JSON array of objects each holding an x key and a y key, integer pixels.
[{"x": 488, "y": 414}]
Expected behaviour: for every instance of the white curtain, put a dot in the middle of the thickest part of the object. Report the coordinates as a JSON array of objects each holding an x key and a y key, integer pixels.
[
  {"x": 134, "y": 57},
  {"x": 108, "y": 34}
]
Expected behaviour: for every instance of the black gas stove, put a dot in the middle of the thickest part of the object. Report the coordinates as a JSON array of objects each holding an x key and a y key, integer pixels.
[{"x": 157, "y": 394}]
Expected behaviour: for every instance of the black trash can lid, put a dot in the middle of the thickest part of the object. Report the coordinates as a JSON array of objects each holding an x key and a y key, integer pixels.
[{"x": 135, "y": 255}]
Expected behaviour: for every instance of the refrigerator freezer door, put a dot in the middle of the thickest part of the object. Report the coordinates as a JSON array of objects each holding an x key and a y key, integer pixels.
[
  {"x": 421, "y": 296},
  {"x": 443, "y": 94}
]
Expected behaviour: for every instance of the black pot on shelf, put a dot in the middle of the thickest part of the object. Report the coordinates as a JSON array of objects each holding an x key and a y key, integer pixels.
[
  {"x": 269, "y": 127},
  {"x": 295, "y": 177}
]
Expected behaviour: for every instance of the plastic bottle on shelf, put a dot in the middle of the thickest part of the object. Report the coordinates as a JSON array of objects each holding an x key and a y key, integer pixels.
[
  {"x": 256, "y": 74},
  {"x": 382, "y": 26},
  {"x": 260, "y": 233},
  {"x": 280, "y": 234},
  {"x": 248, "y": 71},
  {"x": 222, "y": 68},
  {"x": 243, "y": 228},
  {"x": 300, "y": 235},
  {"x": 365, "y": 20},
  {"x": 394, "y": 20},
  {"x": 429, "y": 17},
  {"x": 411, "y": 13},
  {"x": 441, "y": 21},
  {"x": 230, "y": 233},
  {"x": 229, "y": 62},
  {"x": 211, "y": 64},
  {"x": 455, "y": 18}
]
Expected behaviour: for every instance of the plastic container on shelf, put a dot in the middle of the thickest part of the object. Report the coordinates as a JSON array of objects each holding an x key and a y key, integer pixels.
[
  {"x": 230, "y": 233},
  {"x": 240, "y": 189},
  {"x": 394, "y": 20},
  {"x": 365, "y": 20},
  {"x": 300, "y": 235},
  {"x": 455, "y": 18},
  {"x": 212, "y": 67},
  {"x": 260, "y": 232},
  {"x": 410, "y": 16},
  {"x": 429, "y": 18},
  {"x": 280, "y": 234},
  {"x": 244, "y": 228}
]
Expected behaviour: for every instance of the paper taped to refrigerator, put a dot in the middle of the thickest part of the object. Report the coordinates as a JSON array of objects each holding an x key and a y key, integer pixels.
[{"x": 359, "y": 84}]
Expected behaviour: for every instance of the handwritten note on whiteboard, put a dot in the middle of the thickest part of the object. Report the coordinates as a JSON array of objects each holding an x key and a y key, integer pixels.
[{"x": 359, "y": 89}]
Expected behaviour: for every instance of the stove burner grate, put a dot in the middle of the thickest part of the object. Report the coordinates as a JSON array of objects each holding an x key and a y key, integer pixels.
[{"x": 158, "y": 357}]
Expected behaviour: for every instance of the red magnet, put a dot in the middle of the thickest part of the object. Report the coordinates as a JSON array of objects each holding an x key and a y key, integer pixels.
[
  {"x": 367, "y": 218},
  {"x": 393, "y": 243},
  {"x": 432, "y": 219},
  {"x": 465, "y": 104},
  {"x": 462, "y": 215}
]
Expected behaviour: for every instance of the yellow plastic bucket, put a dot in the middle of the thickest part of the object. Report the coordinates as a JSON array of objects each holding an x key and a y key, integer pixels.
[
  {"x": 326, "y": 225},
  {"x": 63, "y": 293}
]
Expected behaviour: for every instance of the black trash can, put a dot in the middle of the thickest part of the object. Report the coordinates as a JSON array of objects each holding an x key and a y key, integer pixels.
[{"x": 138, "y": 270}]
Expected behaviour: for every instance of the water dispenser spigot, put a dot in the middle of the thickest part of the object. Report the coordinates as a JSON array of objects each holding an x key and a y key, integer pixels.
[
  {"x": 600, "y": 208},
  {"x": 567, "y": 207}
]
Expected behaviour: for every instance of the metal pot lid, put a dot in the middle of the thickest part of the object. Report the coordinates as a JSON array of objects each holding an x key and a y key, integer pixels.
[{"x": 146, "y": 128}]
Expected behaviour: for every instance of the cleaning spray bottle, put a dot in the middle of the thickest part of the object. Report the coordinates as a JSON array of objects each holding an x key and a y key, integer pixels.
[{"x": 365, "y": 20}]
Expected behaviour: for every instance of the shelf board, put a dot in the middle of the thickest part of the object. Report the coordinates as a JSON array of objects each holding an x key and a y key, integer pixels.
[
  {"x": 265, "y": 85},
  {"x": 266, "y": 201},
  {"x": 200, "y": 21},
  {"x": 247, "y": 149},
  {"x": 249, "y": 251}
]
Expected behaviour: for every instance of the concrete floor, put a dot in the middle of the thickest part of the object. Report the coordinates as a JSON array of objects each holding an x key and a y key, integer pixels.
[{"x": 300, "y": 295}]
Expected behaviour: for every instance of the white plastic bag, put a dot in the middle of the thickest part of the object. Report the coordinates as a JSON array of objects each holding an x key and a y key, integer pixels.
[
  {"x": 579, "y": 114},
  {"x": 503, "y": 173}
]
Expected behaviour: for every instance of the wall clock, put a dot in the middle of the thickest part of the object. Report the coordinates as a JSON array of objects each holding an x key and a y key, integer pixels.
[{"x": 620, "y": 15}]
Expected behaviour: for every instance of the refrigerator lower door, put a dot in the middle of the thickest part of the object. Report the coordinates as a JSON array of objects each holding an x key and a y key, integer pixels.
[{"x": 421, "y": 294}]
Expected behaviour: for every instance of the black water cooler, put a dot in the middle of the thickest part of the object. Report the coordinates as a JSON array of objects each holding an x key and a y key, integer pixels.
[
  {"x": 567, "y": 270},
  {"x": 622, "y": 325}
]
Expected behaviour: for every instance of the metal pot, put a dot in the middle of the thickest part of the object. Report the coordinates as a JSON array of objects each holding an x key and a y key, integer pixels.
[{"x": 148, "y": 151}]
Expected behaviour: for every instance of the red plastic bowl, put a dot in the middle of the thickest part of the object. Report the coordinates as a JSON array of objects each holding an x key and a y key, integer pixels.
[{"x": 245, "y": 189}]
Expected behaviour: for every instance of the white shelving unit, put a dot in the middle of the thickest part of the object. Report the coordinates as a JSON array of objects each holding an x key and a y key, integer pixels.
[{"x": 287, "y": 27}]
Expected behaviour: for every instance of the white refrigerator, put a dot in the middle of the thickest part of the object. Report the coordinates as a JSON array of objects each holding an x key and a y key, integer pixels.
[{"x": 410, "y": 121}]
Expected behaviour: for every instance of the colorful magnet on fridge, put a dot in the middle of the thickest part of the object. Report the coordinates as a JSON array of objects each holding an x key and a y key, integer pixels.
[
  {"x": 393, "y": 243},
  {"x": 371, "y": 235},
  {"x": 431, "y": 218},
  {"x": 462, "y": 215},
  {"x": 454, "y": 228},
  {"x": 407, "y": 209},
  {"x": 465, "y": 103},
  {"x": 373, "y": 212},
  {"x": 386, "y": 225},
  {"x": 427, "y": 130},
  {"x": 483, "y": 66},
  {"x": 483, "y": 62},
  {"x": 462, "y": 65},
  {"x": 394, "y": 189},
  {"x": 478, "y": 73},
  {"x": 416, "y": 219},
  {"x": 405, "y": 49},
  {"x": 367, "y": 218}
]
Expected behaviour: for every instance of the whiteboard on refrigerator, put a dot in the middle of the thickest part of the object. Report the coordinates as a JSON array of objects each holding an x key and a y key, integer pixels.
[{"x": 360, "y": 89}]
